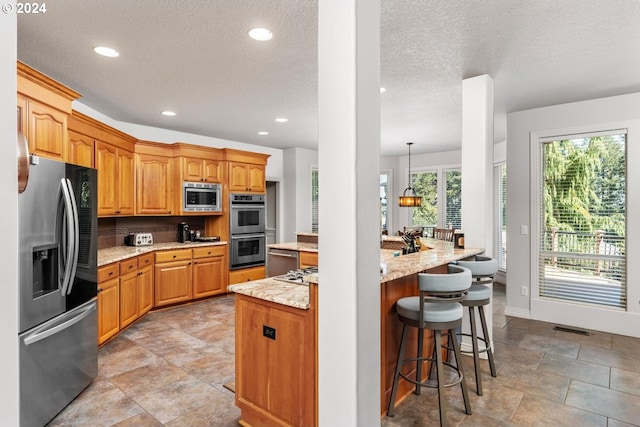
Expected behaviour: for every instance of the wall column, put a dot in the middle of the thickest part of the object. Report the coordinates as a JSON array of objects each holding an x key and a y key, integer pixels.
[
  {"x": 477, "y": 174},
  {"x": 9, "y": 392},
  {"x": 349, "y": 245}
]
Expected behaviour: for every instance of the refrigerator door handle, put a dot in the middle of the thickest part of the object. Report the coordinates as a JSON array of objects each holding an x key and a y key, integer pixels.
[
  {"x": 46, "y": 333},
  {"x": 71, "y": 251},
  {"x": 76, "y": 237}
]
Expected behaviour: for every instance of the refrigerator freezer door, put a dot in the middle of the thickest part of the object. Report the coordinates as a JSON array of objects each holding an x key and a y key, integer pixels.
[{"x": 58, "y": 360}]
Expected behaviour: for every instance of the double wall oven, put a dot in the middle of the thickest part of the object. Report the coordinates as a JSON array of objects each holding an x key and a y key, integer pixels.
[{"x": 247, "y": 223}]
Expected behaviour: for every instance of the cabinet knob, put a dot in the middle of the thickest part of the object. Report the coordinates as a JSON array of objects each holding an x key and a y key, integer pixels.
[
  {"x": 111, "y": 273},
  {"x": 139, "y": 273},
  {"x": 174, "y": 256},
  {"x": 100, "y": 289},
  {"x": 130, "y": 267}
]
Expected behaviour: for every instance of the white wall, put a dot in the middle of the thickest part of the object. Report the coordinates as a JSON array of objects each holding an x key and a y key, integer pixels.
[
  {"x": 296, "y": 191},
  {"x": 519, "y": 126},
  {"x": 8, "y": 247}
]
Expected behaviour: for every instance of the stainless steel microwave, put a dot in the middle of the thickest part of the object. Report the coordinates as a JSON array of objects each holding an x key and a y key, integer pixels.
[{"x": 201, "y": 197}]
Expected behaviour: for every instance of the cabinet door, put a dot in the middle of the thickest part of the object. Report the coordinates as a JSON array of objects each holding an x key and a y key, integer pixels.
[
  {"x": 172, "y": 282},
  {"x": 209, "y": 276},
  {"x": 108, "y": 309},
  {"x": 153, "y": 185},
  {"x": 212, "y": 171},
  {"x": 47, "y": 130},
  {"x": 124, "y": 180},
  {"x": 192, "y": 169},
  {"x": 106, "y": 163},
  {"x": 128, "y": 298},
  {"x": 79, "y": 150},
  {"x": 256, "y": 176},
  {"x": 145, "y": 290},
  {"x": 285, "y": 395},
  {"x": 237, "y": 177},
  {"x": 22, "y": 116}
]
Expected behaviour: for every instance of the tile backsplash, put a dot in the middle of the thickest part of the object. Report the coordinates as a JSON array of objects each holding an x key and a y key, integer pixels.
[{"x": 111, "y": 231}]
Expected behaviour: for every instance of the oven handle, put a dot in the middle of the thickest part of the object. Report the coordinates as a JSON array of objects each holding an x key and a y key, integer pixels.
[
  {"x": 248, "y": 206},
  {"x": 247, "y": 236}
]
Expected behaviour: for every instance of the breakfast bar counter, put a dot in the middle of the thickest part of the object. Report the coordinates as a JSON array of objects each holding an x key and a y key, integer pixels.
[{"x": 276, "y": 337}]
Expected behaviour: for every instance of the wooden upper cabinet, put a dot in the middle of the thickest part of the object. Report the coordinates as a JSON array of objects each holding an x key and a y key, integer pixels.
[
  {"x": 115, "y": 180},
  {"x": 125, "y": 183},
  {"x": 43, "y": 108},
  {"x": 202, "y": 170},
  {"x": 79, "y": 149},
  {"x": 246, "y": 177},
  {"x": 153, "y": 185}
]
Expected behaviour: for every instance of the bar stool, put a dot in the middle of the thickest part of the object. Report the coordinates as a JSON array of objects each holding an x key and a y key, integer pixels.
[
  {"x": 437, "y": 308},
  {"x": 482, "y": 270}
]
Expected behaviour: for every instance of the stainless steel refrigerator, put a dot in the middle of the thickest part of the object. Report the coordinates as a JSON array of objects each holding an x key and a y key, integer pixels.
[{"x": 58, "y": 286}]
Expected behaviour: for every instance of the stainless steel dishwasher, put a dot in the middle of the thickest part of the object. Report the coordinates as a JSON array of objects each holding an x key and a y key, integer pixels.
[{"x": 279, "y": 261}]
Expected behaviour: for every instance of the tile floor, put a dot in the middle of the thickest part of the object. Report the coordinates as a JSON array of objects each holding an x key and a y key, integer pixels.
[{"x": 170, "y": 367}]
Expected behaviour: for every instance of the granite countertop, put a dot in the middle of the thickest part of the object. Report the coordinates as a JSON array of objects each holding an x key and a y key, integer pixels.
[
  {"x": 295, "y": 246},
  {"x": 297, "y": 295},
  {"x": 289, "y": 294},
  {"x": 120, "y": 253}
]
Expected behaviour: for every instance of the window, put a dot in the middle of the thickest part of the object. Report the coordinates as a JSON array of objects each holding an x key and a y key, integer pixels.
[
  {"x": 500, "y": 215},
  {"x": 314, "y": 200},
  {"x": 426, "y": 185},
  {"x": 441, "y": 192},
  {"x": 385, "y": 195},
  {"x": 453, "y": 199},
  {"x": 582, "y": 219}
]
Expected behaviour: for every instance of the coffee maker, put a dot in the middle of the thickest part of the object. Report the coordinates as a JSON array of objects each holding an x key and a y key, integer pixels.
[{"x": 183, "y": 232}]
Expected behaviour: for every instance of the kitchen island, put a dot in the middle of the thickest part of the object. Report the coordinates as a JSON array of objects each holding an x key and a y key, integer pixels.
[{"x": 276, "y": 338}]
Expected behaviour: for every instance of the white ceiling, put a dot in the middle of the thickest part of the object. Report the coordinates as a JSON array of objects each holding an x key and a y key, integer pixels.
[{"x": 194, "y": 57}]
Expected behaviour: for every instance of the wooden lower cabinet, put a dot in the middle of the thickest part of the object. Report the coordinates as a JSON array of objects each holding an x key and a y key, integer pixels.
[
  {"x": 108, "y": 302},
  {"x": 128, "y": 298},
  {"x": 276, "y": 381},
  {"x": 209, "y": 271},
  {"x": 145, "y": 288},
  {"x": 173, "y": 277},
  {"x": 246, "y": 274},
  {"x": 308, "y": 259}
]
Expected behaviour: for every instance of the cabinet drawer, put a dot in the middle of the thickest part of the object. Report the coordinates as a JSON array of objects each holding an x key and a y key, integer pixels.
[
  {"x": 179, "y": 255},
  {"x": 108, "y": 272},
  {"x": 308, "y": 259},
  {"x": 208, "y": 251},
  {"x": 128, "y": 266},
  {"x": 145, "y": 260},
  {"x": 246, "y": 275}
]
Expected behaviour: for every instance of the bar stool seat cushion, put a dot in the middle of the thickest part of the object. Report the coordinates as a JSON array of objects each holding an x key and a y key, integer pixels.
[
  {"x": 409, "y": 308},
  {"x": 478, "y": 292}
]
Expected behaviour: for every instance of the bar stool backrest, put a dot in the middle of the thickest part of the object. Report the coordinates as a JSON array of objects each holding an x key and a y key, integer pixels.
[
  {"x": 482, "y": 269},
  {"x": 445, "y": 288}
]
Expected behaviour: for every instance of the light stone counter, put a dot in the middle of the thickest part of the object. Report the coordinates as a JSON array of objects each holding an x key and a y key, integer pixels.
[
  {"x": 120, "y": 253},
  {"x": 295, "y": 295},
  {"x": 295, "y": 246}
]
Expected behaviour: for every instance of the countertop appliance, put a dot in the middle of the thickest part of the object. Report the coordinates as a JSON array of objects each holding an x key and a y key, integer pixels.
[
  {"x": 57, "y": 287},
  {"x": 201, "y": 197},
  {"x": 247, "y": 230},
  {"x": 298, "y": 276},
  {"x": 138, "y": 239},
  {"x": 280, "y": 261},
  {"x": 183, "y": 232}
]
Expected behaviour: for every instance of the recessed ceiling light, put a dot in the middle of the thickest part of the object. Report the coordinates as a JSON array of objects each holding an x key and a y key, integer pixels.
[
  {"x": 282, "y": 120},
  {"x": 383, "y": 90},
  {"x": 106, "y": 51},
  {"x": 168, "y": 113},
  {"x": 260, "y": 34},
  {"x": 262, "y": 132}
]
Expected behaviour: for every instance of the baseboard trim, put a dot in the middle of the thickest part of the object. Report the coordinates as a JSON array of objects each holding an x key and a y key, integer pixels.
[{"x": 517, "y": 312}]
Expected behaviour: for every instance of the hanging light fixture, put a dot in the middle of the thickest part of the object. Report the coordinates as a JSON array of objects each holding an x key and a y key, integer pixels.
[{"x": 409, "y": 197}]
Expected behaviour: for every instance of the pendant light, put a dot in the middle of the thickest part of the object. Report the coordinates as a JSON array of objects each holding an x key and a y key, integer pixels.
[{"x": 409, "y": 197}]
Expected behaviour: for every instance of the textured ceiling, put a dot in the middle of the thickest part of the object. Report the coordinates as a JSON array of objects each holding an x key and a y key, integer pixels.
[{"x": 194, "y": 57}]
